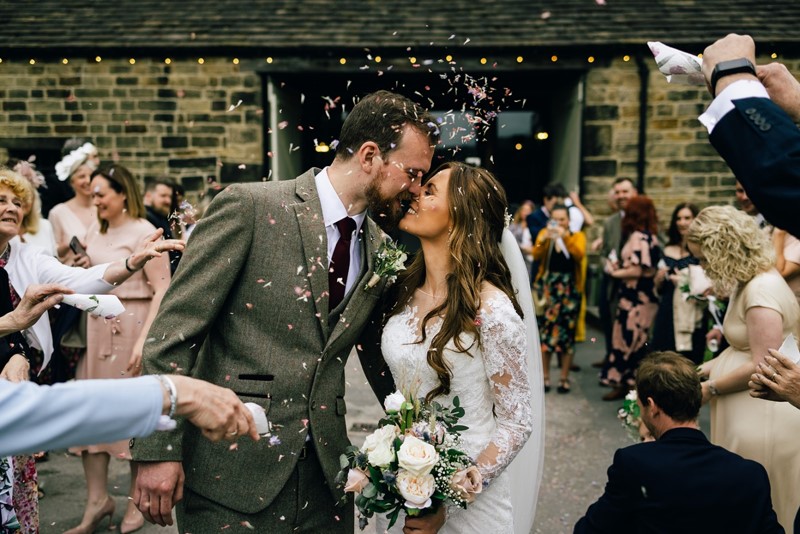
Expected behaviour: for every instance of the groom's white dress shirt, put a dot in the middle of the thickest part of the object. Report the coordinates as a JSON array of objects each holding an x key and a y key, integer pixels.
[{"x": 333, "y": 210}]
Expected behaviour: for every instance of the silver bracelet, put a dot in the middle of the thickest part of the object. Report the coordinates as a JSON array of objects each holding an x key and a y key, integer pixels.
[{"x": 169, "y": 385}]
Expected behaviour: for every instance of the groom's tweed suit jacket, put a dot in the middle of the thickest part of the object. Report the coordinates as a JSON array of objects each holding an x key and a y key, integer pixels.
[{"x": 248, "y": 310}]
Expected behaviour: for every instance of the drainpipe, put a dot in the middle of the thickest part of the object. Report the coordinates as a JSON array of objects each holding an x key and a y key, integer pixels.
[{"x": 641, "y": 163}]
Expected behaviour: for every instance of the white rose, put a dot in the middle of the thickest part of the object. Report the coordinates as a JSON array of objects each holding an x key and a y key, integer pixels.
[
  {"x": 379, "y": 446},
  {"x": 417, "y": 456},
  {"x": 415, "y": 489},
  {"x": 394, "y": 402}
]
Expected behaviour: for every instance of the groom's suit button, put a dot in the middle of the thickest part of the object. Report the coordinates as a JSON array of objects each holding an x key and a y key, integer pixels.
[{"x": 313, "y": 405}]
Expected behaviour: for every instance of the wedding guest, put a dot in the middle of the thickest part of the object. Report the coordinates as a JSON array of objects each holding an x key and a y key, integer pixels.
[
  {"x": 559, "y": 252},
  {"x": 764, "y": 154},
  {"x": 100, "y": 410},
  {"x": 636, "y": 297},
  {"x": 579, "y": 218},
  {"x": 656, "y": 486},
  {"x": 679, "y": 324},
  {"x": 76, "y": 413},
  {"x": 519, "y": 228},
  {"x": 454, "y": 328},
  {"x": 22, "y": 265},
  {"x": 777, "y": 378},
  {"x": 278, "y": 344},
  {"x": 70, "y": 221},
  {"x": 609, "y": 246},
  {"x": 72, "y": 218},
  {"x": 739, "y": 260},
  {"x": 114, "y": 348},
  {"x": 159, "y": 201},
  {"x": 551, "y": 195},
  {"x": 787, "y": 258},
  {"x": 36, "y": 230}
]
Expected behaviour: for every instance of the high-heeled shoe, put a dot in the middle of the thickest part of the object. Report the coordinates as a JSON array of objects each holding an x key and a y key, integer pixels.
[
  {"x": 106, "y": 510},
  {"x": 126, "y": 527}
]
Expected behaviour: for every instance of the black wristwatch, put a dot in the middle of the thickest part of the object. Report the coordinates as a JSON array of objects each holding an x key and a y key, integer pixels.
[{"x": 726, "y": 68}]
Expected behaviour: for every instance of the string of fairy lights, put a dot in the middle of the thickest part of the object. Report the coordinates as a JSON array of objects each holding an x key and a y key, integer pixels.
[{"x": 413, "y": 60}]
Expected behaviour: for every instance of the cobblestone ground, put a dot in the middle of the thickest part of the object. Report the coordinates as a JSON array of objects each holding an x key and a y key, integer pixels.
[{"x": 581, "y": 437}]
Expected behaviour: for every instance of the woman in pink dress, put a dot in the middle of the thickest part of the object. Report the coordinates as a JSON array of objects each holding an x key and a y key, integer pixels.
[
  {"x": 71, "y": 219},
  {"x": 114, "y": 347}
]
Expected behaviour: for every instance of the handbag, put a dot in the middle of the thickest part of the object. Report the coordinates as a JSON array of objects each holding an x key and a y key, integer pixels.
[{"x": 538, "y": 295}]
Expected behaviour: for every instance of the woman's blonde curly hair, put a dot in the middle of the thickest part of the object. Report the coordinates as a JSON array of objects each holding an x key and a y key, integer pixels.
[{"x": 735, "y": 248}]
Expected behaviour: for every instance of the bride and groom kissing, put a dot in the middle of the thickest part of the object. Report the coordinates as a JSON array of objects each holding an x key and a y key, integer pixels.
[{"x": 274, "y": 291}]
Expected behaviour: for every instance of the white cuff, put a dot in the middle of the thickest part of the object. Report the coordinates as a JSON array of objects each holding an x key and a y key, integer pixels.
[{"x": 724, "y": 102}]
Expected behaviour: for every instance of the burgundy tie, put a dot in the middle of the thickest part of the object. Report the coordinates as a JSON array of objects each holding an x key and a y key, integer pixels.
[{"x": 340, "y": 262}]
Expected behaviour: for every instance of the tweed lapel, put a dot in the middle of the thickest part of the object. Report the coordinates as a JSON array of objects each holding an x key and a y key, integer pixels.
[
  {"x": 361, "y": 299},
  {"x": 314, "y": 241}
]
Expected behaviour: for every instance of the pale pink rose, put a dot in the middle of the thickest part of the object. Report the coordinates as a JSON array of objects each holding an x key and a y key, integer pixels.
[
  {"x": 467, "y": 483},
  {"x": 357, "y": 480}
]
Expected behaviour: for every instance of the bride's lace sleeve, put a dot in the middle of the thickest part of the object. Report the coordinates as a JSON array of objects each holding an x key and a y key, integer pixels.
[{"x": 504, "y": 351}]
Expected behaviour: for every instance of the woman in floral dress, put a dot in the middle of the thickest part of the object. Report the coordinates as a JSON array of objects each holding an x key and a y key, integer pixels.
[
  {"x": 638, "y": 302},
  {"x": 558, "y": 253}
]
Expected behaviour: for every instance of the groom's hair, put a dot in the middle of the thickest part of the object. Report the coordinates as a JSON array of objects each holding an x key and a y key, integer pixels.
[
  {"x": 380, "y": 117},
  {"x": 671, "y": 380}
]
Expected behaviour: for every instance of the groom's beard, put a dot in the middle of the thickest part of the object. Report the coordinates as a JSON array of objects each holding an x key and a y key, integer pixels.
[{"x": 386, "y": 211}]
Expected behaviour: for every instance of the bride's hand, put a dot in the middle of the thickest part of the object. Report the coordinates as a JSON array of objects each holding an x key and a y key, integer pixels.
[{"x": 426, "y": 524}]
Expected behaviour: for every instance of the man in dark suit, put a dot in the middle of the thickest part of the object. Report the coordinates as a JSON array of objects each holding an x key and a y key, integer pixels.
[
  {"x": 751, "y": 124},
  {"x": 158, "y": 201},
  {"x": 680, "y": 482},
  {"x": 551, "y": 195}
]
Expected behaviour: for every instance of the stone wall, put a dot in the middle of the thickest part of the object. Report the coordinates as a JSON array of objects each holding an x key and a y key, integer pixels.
[
  {"x": 156, "y": 118},
  {"x": 198, "y": 122},
  {"x": 681, "y": 164}
]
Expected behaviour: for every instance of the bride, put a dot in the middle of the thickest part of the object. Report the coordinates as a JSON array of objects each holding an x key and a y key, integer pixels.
[{"x": 456, "y": 328}]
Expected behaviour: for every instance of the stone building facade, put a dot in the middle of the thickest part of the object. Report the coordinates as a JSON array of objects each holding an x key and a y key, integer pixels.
[
  {"x": 214, "y": 92},
  {"x": 157, "y": 119}
]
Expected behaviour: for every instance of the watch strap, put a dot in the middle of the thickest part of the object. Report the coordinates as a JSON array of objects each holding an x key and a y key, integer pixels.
[{"x": 726, "y": 68}]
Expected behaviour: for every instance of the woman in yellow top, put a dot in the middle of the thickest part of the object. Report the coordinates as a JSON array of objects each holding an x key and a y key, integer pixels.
[{"x": 559, "y": 253}]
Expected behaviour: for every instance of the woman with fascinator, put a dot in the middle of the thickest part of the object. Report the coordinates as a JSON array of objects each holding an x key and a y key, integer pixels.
[
  {"x": 70, "y": 221},
  {"x": 461, "y": 324},
  {"x": 73, "y": 217}
]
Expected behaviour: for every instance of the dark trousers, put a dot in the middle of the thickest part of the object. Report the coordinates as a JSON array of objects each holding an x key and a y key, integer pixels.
[
  {"x": 607, "y": 307},
  {"x": 305, "y": 505}
]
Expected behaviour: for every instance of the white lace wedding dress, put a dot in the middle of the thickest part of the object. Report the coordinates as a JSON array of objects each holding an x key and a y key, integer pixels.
[{"x": 491, "y": 383}]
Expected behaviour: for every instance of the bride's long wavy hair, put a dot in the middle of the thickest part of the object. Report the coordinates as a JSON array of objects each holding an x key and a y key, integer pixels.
[{"x": 477, "y": 212}]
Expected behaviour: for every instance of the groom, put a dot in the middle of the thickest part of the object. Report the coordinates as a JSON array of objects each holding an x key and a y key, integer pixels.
[{"x": 269, "y": 299}]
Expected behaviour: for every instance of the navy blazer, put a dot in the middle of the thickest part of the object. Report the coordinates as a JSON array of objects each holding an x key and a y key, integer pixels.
[
  {"x": 761, "y": 145},
  {"x": 682, "y": 483}
]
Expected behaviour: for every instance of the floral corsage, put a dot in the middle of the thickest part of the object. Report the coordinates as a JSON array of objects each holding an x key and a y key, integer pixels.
[{"x": 389, "y": 260}]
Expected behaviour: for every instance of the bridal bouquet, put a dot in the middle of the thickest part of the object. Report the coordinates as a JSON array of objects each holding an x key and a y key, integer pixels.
[{"x": 412, "y": 462}]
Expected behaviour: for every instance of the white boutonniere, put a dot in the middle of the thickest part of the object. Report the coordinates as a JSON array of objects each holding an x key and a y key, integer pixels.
[{"x": 389, "y": 260}]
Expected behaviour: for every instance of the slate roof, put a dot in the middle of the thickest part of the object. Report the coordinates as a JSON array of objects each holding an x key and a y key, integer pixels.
[{"x": 61, "y": 26}]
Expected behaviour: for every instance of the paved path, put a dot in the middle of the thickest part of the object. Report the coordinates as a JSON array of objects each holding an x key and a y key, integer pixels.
[{"x": 582, "y": 435}]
